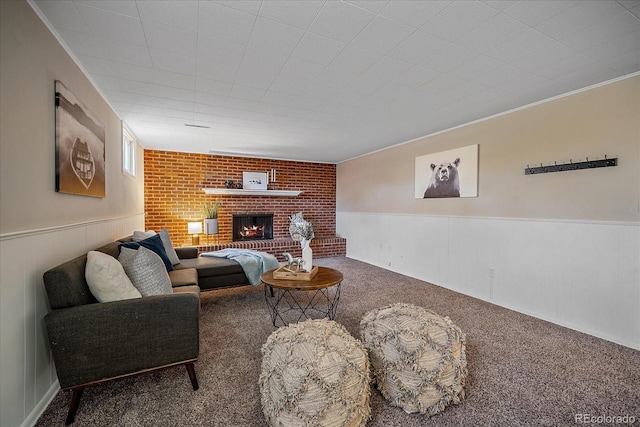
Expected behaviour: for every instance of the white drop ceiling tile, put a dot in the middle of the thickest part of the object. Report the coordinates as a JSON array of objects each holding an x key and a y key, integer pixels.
[
  {"x": 625, "y": 64},
  {"x": 254, "y": 78},
  {"x": 246, "y": 92},
  {"x": 635, "y": 10},
  {"x": 274, "y": 37},
  {"x": 113, "y": 26},
  {"x": 204, "y": 98},
  {"x": 416, "y": 76},
  {"x": 542, "y": 58},
  {"x": 340, "y": 21},
  {"x": 418, "y": 47},
  {"x": 381, "y": 35},
  {"x": 413, "y": 13},
  {"x": 282, "y": 99},
  {"x": 604, "y": 32},
  {"x": 318, "y": 92},
  {"x": 491, "y": 33},
  {"x": 458, "y": 19},
  {"x": 578, "y": 17},
  {"x": 86, "y": 44},
  {"x": 172, "y": 39},
  {"x": 224, "y": 22},
  {"x": 354, "y": 60},
  {"x": 533, "y": 13},
  {"x": 372, "y": 6},
  {"x": 210, "y": 110},
  {"x": 171, "y": 79},
  {"x": 500, "y": 4},
  {"x": 115, "y": 6},
  {"x": 388, "y": 68},
  {"x": 629, "y": 44},
  {"x": 449, "y": 58},
  {"x": 219, "y": 50},
  {"x": 319, "y": 49},
  {"x": 174, "y": 62},
  {"x": 213, "y": 87},
  {"x": 564, "y": 66},
  {"x": 263, "y": 61},
  {"x": 62, "y": 14},
  {"x": 292, "y": 12},
  {"x": 362, "y": 86},
  {"x": 521, "y": 45},
  {"x": 216, "y": 71},
  {"x": 182, "y": 14},
  {"x": 249, "y": 6},
  {"x": 478, "y": 65}
]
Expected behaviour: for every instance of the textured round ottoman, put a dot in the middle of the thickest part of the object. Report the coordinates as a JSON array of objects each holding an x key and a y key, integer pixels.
[
  {"x": 314, "y": 373},
  {"x": 418, "y": 357}
]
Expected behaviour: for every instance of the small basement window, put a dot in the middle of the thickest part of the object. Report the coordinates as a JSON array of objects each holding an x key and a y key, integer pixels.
[{"x": 128, "y": 152}]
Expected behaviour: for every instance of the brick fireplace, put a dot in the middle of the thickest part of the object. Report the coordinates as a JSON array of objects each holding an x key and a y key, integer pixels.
[{"x": 174, "y": 196}]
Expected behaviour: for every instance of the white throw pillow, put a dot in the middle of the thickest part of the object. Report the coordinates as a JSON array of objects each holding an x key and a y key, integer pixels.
[
  {"x": 141, "y": 235},
  {"x": 146, "y": 270},
  {"x": 107, "y": 279}
]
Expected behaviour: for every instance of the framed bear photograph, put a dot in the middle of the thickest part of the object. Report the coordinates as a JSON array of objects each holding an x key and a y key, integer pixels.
[{"x": 451, "y": 173}]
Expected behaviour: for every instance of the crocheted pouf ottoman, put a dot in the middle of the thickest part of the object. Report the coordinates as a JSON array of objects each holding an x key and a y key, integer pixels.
[
  {"x": 418, "y": 357},
  {"x": 314, "y": 373}
]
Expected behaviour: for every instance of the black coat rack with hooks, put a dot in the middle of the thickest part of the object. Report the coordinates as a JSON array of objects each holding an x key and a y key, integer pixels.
[{"x": 588, "y": 164}]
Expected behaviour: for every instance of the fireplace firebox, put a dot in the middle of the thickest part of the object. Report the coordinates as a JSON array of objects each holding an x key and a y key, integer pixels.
[{"x": 252, "y": 227}]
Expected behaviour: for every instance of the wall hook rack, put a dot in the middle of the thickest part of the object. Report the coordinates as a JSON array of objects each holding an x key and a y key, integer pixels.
[{"x": 588, "y": 164}]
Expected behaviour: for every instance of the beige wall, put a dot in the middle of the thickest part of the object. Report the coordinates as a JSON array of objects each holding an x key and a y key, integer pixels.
[
  {"x": 40, "y": 228},
  {"x": 593, "y": 123},
  {"x": 30, "y": 62}
]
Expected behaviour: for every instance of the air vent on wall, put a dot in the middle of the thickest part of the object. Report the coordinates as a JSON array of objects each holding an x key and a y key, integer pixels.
[{"x": 197, "y": 126}]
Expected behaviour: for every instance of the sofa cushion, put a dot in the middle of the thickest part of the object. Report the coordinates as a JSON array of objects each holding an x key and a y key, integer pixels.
[
  {"x": 153, "y": 243},
  {"x": 107, "y": 279},
  {"x": 210, "y": 266},
  {"x": 184, "y": 277},
  {"x": 146, "y": 271}
]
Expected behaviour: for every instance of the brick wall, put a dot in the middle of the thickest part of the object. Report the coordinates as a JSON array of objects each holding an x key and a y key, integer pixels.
[{"x": 173, "y": 185}]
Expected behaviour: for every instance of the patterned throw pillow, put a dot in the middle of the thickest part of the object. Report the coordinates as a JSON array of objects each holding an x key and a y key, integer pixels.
[
  {"x": 107, "y": 279},
  {"x": 146, "y": 271},
  {"x": 155, "y": 244}
]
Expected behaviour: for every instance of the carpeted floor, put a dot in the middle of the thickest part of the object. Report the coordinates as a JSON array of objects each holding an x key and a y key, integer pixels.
[{"x": 522, "y": 371}]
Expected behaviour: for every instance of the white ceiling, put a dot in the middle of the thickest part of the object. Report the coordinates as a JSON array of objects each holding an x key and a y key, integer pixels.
[{"x": 331, "y": 80}]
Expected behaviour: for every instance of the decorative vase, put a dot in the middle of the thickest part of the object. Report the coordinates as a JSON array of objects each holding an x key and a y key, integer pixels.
[
  {"x": 307, "y": 255},
  {"x": 211, "y": 226}
]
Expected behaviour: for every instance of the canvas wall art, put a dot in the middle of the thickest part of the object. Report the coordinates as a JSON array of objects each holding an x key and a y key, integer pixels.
[
  {"x": 80, "y": 145},
  {"x": 451, "y": 173}
]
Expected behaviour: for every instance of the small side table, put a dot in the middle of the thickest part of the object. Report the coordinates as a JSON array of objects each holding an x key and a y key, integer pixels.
[{"x": 291, "y": 301}]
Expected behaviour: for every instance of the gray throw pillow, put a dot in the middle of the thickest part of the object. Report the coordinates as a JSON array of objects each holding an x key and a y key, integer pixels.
[
  {"x": 146, "y": 270},
  {"x": 168, "y": 247}
]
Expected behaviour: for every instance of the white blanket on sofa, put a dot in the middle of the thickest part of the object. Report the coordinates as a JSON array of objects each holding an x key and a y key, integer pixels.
[{"x": 254, "y": 263}]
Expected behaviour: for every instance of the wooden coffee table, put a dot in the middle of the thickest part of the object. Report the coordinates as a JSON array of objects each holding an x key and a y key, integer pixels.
[{"x": 291, "y": 301}]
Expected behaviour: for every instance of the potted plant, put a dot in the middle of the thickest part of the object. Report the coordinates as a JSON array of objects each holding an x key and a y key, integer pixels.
[{"x": 211, "y": 217}]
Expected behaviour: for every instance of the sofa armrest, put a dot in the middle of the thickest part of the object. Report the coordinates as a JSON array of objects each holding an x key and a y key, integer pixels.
[
  {"x": 187, "y": 252},
  {"x": 95, "y": 342}
]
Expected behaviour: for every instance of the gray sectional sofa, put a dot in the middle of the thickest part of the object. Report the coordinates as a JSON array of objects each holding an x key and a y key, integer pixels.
[{"x": 94, "y": 342}]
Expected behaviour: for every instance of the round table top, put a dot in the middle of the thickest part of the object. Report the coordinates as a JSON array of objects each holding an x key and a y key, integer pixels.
[{"x": 324, "y": 278}]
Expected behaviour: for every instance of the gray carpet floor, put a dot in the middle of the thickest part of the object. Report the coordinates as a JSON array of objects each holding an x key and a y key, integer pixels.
[{"x": 522, "y": 371}]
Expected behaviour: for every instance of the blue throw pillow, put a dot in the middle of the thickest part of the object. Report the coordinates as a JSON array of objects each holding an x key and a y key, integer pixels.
[{"x": 153, "y": 243}]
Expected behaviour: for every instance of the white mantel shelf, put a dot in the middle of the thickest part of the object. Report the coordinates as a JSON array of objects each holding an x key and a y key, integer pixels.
[{"x": 245, "y": 192}]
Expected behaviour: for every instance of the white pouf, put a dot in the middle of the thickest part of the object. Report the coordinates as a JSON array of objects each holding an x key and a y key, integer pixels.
[
  {"x": 314, "y": 373},
  {"x": 418, "y": 357}
]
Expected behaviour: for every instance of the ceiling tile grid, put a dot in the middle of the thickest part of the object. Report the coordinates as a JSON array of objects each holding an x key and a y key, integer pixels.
[{"x": 329, "y": 80}]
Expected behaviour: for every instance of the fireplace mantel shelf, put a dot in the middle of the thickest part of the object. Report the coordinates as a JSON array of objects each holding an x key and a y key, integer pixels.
[{"x": 245, "y": 192}]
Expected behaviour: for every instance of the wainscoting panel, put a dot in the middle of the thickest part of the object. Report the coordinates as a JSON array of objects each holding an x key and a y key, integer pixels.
[
  {"x": 29, "y": 379},
  {"x": 582, "y": 275}
]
